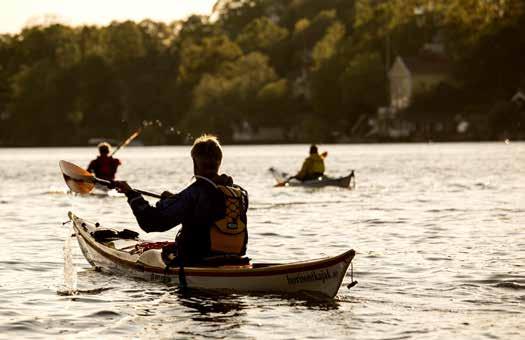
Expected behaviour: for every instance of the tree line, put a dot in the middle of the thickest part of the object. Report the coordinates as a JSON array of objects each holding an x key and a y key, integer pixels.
[{"x": 313, "y": 68}]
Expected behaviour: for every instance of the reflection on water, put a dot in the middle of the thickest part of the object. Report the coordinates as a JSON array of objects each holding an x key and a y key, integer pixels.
[{"x": 438, "y": 231}]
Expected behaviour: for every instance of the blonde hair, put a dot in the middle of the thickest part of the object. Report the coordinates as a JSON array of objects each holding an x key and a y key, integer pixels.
[
  {"x": 104, "y": 148},
  {"x": 207, "y": 153}
]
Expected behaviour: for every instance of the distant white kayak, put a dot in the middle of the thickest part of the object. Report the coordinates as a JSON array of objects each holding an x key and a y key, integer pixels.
[
  {"x": 320, "y": 277},
  {"x": 282, "y": 180},
  {"x": 100, "y": 191}
]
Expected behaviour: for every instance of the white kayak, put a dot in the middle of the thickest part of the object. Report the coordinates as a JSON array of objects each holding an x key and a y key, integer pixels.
[
  {"x": 100, "y": 191},
  {"x": 320, "y": 277},
  {"x": 282, "y": 180}
]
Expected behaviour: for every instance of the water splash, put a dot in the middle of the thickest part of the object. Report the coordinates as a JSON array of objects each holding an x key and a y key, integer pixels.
[{"x": 70, "y": 271}]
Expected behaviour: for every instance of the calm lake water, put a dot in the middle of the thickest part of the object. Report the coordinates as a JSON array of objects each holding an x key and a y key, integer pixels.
[{"x": 438, "y": 230}]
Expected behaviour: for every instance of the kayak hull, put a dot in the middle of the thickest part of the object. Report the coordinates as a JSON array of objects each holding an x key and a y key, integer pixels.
[
  {"x": 321, "y": 277},
  {"x": 324, "y": 181}
]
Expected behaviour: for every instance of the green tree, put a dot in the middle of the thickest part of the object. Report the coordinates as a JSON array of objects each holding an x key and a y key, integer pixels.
[
  {"x": 55, "y": 43},
  {"x": 229, "y": 96},
  {"x": 326, "y": 69},
  {"x": 363, "y": 85},
  {"x": 274, "y": 105},
  {"x": 198, "y": 57},
  {"x": 327, "y": 47},
  {"x": 124, "y": 42},
  {"x": 262, "y": 35},
  {"x": 92, "y": 109},
  {"x": 234, "y": 15},
  {"x": 36, "y": 105}
]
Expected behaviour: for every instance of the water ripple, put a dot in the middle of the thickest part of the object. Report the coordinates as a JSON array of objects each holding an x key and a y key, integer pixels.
[{"x": 439, "y": 251}]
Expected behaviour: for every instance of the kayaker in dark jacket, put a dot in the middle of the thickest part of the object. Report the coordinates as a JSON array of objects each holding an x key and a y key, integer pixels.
[
  {"x": 212, "y": 210},
  {"x": 104, "y": 166}
]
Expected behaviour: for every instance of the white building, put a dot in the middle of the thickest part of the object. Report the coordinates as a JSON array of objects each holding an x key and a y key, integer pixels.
[{"x": 400, "y": 79}]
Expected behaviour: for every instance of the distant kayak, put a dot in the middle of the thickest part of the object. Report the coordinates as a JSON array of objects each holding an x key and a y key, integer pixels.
[
  {"x": 102, "y": 190},
  {"x": 124, "y": 253},
  {"x": 282, "y": 180},
  {"x": 99, "y": 191}
]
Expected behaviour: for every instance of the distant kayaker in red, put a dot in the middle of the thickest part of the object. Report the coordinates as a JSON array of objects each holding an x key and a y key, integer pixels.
[{"x": 104, "y": 166}]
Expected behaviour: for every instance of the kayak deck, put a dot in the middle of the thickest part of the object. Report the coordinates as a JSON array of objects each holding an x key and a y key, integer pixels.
[{"x": 319, "y": 277}]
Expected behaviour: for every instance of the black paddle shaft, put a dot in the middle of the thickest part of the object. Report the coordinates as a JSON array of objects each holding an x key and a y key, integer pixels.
[{"x": 111, "y": 185}]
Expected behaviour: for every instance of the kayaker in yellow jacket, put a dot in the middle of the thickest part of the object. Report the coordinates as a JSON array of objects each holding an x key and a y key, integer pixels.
[{"x": 313, "y": 165}]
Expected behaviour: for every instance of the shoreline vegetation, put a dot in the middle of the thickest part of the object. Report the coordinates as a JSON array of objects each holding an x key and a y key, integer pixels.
[
  {"x": 262, "y": 143},
  {"x": 273, "y": 71}
]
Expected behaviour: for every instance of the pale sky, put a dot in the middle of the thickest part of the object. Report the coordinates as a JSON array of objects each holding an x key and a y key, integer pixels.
[{"x": 15, "y": 14}]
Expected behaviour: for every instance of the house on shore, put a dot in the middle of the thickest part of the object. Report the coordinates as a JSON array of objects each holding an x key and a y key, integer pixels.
[
  {"x": 407, "y": 77},
  {"x": 411, "y": 76}
]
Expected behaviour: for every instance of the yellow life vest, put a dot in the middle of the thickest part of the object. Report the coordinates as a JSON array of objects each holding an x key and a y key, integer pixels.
[
  {"x": 228, "y": 235},
  {"x": 316, "y": 164},
  {"x": 313, "y": 165}
]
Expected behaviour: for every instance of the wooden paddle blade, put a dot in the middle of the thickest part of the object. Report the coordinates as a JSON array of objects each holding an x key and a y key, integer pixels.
[
  {"x": 76, "y": 172},
  {"x": 77, "y": 179},
  {"x": 79, "y": 186}
]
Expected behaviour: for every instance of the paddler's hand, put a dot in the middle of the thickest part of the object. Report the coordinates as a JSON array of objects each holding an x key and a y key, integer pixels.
[
  {"x": 324, "y": 154},
  {"x": 122, "y": 187}
]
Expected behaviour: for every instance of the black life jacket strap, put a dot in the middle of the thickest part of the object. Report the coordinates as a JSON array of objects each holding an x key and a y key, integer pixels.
[{"x": 177, "y": 261}]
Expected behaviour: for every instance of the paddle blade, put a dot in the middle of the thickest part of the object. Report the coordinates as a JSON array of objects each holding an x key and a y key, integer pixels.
[
  {"x": 279, "y": 176},
  {"x": 77, "y": 179}
]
